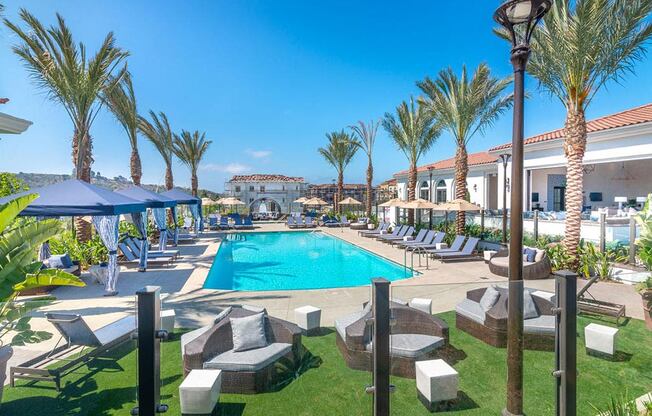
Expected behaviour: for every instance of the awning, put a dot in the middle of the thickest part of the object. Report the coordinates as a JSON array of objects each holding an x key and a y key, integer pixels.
[
  {"x": 181, "y": 197},
  {"x": 150, "y": 198}
]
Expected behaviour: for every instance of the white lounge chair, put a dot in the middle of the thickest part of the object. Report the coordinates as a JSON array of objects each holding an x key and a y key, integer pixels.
[{"x": 465, "y": 253}]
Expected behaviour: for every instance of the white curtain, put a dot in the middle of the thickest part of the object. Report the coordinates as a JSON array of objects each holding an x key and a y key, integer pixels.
[
  {"x": 196, "y": 215},
  {"x": 107, "y": 228},
  {"x": 176, "y": 229},
  {"x": 161, "y": 223},
  {"x": 140, "y": 221}
]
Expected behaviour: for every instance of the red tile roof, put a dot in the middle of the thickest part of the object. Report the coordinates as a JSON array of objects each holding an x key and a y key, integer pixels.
[
  {"x": 475, "y": 159},
  {"x": 637, "y": 115},
  {"x": 266, "y": 178}
]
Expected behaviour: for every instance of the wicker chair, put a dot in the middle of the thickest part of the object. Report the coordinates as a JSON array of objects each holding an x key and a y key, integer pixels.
[
  {"x": 219, "y": 339},
  {"x": 491, "y": 326},
  {"x": 416, "y": 336},
  {"x": 539, "y": 269}
]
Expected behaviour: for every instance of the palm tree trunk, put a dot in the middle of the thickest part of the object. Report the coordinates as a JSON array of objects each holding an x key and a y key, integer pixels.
[
  {"x": 194, "y": 183},
  {"x": 340, "y": 191},
  {"x": 574, "y": 148},
  {"x": 136, "y": 167},
  {"x": 412, "y": 189},
  {"x": 83, "y": 229},
  {"x": 169, "y": 179},
  {"x": 461, "y": 172},
  {"x": 370, "y": 178}
]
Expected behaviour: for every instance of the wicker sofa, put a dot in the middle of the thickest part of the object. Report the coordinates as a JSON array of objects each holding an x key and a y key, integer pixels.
[
  {"x": 490, "y": 326},
  {"x": 245, "y": 372},
  {"x": 416, "y": 336},
  {"x": 540, "y": 268}
]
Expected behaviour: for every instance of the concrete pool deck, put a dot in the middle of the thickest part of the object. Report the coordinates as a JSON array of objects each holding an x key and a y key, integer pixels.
[{"x": 182, "y": 285}]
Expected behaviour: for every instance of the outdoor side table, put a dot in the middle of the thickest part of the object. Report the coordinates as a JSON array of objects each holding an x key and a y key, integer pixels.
[
  {"x": 488, "y": 254},
  {"x": 436, "y": 382},
  {"x": 200, "y": 391},
  {"x": 308, "y": 318},
  {"x": 600, "y": 340},
  {"x": 167, "y": 320}
]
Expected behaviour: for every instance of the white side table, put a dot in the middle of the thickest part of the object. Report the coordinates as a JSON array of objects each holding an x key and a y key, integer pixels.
[
  {"x": 600, "y": 340},
  {"x": 308, "y": 318},
  {"x": 488, "y": 254},
  {"x": 200, "y": 391},
  {"x": 440, "y": 246},
  {"x": 167, "y": 320},
  {"x": 436, "y": 382},
  {"x": 421, "y": 304}
]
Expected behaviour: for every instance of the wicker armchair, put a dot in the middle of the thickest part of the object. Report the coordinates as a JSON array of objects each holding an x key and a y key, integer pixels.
[
  {"x": 219, "y": 339},
  {"x": 539, "y": 269},
  {"x": 416, "y": 336}
]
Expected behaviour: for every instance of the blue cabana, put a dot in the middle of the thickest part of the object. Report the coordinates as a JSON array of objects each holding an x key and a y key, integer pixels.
[
  {"x": 193, "y": 203},
  {"x": 77, "y": 198},
  {"x": 158, "y": 203}
]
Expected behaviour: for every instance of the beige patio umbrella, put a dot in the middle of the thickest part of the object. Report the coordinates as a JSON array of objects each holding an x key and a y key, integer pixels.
[
  {"x": 315, "y": 202},
  {"x": 456, "y": 205},
  {"x": 395, "y": 202},
  {"x": 349, "y": 202},
  {"x": 301, "y": 200},
  {"x": 207, "y": 202},
  {"x": 231, "y": 202},
  {"x": 419, "y": 204}
]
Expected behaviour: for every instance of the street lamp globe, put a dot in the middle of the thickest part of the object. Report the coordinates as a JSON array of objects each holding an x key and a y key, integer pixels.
[{"x": 520, "y": 17}]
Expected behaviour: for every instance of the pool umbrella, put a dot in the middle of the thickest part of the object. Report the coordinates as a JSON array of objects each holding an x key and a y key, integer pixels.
[
  {"x": 348, "y": 201},
  {"x": 299, "y": 201},
  {"x": 317, "y": 202},
  {"x": 232, "y": 202},
  {"x": 419, "y": 204},
  {"x": 207, "y": 202},
  {"x": 456, "y": 205},
  {"x": 392, "y": 203}
]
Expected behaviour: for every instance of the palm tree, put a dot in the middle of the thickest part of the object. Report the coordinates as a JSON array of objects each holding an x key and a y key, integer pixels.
[
  {"x": 465, "y": 107},
  {"x": 580, "y": 47},
  {"x": 59, "y": 66},
  {"x": 121, "y": 100},
  {"x": 190, "y": 148},
  {"x": 414, "y": 132},
  {"x": 365, "y": 135},
  {"x": 158, "y": 132},
  {"x": 339, "y": 152}
]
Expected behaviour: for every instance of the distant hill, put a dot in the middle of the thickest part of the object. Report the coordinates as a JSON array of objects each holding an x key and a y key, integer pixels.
[{"x": 36, "y": 180}]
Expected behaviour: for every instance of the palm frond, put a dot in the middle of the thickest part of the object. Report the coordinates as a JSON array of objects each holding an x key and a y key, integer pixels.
[
  {"x": 159, "y": 133},
  {"x": 190, "y": 148},
  {"x": 120, "y": 98},
  {"x": 340, "y": 150}
]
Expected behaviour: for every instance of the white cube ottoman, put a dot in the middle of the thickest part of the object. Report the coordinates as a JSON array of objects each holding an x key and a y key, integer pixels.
[
  {"x": 200, "y": 391},
  {"x": 308, "y": 318},
  {"x": 167, "y": 320},
  {"x": 421, "y": 304},
  {"x": 488, "y": 254},
  {"x": 436, "y": 382},
  {"x": 441, "y": 246},
  {"x": 600, "y": 340}
]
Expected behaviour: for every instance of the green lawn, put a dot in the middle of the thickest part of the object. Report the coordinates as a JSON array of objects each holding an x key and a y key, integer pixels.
[{"x": 106, "y": 387}]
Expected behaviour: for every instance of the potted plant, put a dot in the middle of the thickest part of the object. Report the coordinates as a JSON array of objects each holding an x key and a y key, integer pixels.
[
  {"x": 644, "y": 246},
  {"x": 645, "y": 290},
  {"x": 20, "y": 271}
]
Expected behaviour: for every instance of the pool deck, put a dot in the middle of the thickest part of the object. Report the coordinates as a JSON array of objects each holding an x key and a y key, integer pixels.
[{"x": 195, "y": 306}]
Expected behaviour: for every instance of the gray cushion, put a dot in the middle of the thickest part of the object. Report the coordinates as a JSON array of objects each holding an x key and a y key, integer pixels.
[
  {"x": 248, "y": 332},
  {"x": 504, "y": 261},
  {"x": 542, "y": 325},
  {"x": 342, "y": 323},
  {"x": 411, "y": 345},
  {"x": 529, "y": 308},
  {"x": 250, "y": 360},
  {"x": 540, "y": 255},
  {"x": 222, "y": 315},
  {"x": 471, "y": 310},
  {"x": 489, "y": 298}
]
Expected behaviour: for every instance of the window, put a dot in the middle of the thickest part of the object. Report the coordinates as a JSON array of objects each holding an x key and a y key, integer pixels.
[
  {"x": 251, "y": 200},
  {"x": 441, "y": 191},
  {"x": 424, "y": 192},
  {"x": 237, "y": 189},
  {"x": 262, "y": 188},
  {"x": 283, "y": 188},
  {"x": 251, "y": 188}
]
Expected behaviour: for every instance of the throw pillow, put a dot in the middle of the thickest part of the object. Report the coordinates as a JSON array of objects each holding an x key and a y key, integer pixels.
[
  {"x": 248, "y": 332},
  {"x": 55, "y": 262},
  {"x": 530, "y": 254},
  {"x": 489, "y": 298},
  {"x": 529, "y": 307},
  {"x": 66, "y": 261}
]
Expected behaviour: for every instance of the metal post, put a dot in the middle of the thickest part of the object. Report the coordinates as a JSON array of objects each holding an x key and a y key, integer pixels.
[
  {"x": 430, "y": 196},
  {"x": 566, "y": 343},
  {"x": 381, "y": 330},
  {"x": 482, "y": 223},
  {"x": 505, "y": 160},
  {"x": 632, "y": 241},
  {"x": 602, "y": 245},
  {"x": 536, "y": 225},
  {"x": 149, "y": 352}
]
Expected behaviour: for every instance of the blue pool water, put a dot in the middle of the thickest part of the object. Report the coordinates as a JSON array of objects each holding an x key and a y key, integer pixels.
[{"x": 296, "y": 260}]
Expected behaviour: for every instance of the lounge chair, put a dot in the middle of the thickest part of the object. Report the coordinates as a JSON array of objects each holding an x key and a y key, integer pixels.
[
  {"x": 78, "y": 336},
  {"x": 405, "y": 232},
  {"x": 310, "y": 223},
  {"x": 397, "y": 229},
  {"x": 465, "y": 253},
  {"x": 455, "y": 246},
  {"x": 344, "y": 221},
  {"x": 431, "y": 238},
  {"x": 182, "y": 237},
  {"x": 237, "y": 223},
  {"x": 361, "y": 224},
  {"x": 376, "y": 232},
  {"x": 332, "y": 222},
  {"x": 291, "y": 222},
  {"x": 588, "y": 304},
  {"x": 247, "y": 223},
  {"x": 418, "y": 238},
  {"x": 135, "y": 248},
  {"x": 133, "y": 260},
  {"x": 224, "y": 223}
]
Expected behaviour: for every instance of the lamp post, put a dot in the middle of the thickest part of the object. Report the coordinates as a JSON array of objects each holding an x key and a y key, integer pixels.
[
  {"x": 519, "y": 18},
  {"x": 505, "y": 160},
  {"x": 430, "y": 194}
]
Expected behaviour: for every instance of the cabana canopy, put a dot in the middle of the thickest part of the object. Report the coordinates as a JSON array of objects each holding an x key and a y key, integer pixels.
[
  {"x": 76, "y": 198},
  {"x": 181, "y": 197},
  {"x": 149, "y": 198}
]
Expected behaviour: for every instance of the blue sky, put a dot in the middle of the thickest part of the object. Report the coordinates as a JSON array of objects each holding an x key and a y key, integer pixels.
[{"x": 266, "y": 80}]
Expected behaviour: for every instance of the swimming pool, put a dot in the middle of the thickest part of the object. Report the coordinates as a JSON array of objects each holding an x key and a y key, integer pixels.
[{"x": 295, "y": 260}]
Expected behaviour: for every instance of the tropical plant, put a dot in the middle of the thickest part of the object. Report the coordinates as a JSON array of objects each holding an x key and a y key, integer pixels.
[
  {"x": 87, "y": 253},
  {"x": 465, "y": 106},
  {"x": 414, "y": 132},
  {"x": 366, "y": 138},
  {"x": 61, "y": 67},
  {"x": 19, "y": 270},
  {"x": 582, "y": 46},
  {"x": 190, "y": 149},
  {"x": 644, "y": 242},
  {"x": 158, "y": 132},
  {"x": 559, "y": 257},
  {"x": 121, "y": 100},
  {"x": 339, "y": 153},
  {"x": 11, "y": 184},
  {"x": 620, "y": 406}
]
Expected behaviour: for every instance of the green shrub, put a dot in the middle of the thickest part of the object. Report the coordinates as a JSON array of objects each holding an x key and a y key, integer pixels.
[{"x": 88, "y": 253}]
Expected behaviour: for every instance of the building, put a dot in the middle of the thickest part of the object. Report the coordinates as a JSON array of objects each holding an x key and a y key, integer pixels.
[
  {"x": 386, "y": 190},
  {"x": 265, "y": 192},
  {"x": 327, "y": 191}
]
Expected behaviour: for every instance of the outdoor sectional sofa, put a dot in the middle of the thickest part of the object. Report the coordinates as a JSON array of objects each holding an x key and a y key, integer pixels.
[
  {"x": 540, "y": 268},
  {"x": 416, "y": 336},
  {"x": 245, "y": 372},
  {"x": 490, "y": 325}
]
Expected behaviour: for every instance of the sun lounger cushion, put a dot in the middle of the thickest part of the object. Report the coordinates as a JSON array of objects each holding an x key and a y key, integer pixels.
[
  {"x": 115, "y": 330},
  {"x": 248, "y": 332},
  {"x": 411, "y": 345},
  {"x": 471, "y": 310},
  {"x": 542, "y": 325},
  {"x": 250, "y": 360},
  {"x": 489, "y": 298}
]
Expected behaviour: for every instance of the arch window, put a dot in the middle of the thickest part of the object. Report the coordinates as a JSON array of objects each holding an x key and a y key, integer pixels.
[
  {"x": 424, "y": 191},
  {"x": 440, "y": 192}
]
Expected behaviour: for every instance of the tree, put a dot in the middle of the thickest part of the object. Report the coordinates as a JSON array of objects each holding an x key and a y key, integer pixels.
[
  {"x": 365, "y": 135},
  {"x": 121, "y": 100},
  {"x": 581, "y": 46},
  {"x": 465, "y": 107},
  {"x": 190, "y": 148},
  {"x": 414, "y": 132},
  {"x": 160, "y": 134},
  {"x": 11, "y": 184},
  {"x": 60, "y": 67},
  {"x": 339, "y": 153}
]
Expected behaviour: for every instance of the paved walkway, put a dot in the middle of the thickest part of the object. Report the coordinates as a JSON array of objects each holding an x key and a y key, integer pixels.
[{"x": 182, "y": 285}]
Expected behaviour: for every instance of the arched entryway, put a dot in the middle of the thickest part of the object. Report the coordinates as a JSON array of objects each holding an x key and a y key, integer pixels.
[{"x": 265, "y": 206}]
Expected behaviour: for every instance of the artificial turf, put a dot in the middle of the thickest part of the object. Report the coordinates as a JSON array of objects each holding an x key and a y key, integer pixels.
[{"x": 107, "y": 386}]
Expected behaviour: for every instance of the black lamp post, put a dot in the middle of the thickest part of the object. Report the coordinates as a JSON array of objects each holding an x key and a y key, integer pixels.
[
  {"x": 430, "y": 195},
  {"x": 505, "y": 160},
  {"x": 519, "y": 18}
]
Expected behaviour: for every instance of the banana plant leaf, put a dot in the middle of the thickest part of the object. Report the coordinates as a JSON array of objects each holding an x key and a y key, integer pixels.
[
  {"x": 48, "y": 277},
  {"x": 10, "y": 210}
]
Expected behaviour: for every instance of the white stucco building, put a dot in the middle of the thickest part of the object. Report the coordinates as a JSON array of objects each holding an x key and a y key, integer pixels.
[{"x": 266, "y": 192}]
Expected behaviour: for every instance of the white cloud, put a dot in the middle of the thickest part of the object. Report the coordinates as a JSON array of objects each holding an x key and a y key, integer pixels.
[
  {"x": 234, "y": 168},
  {"x": 258, "y": 154}
]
